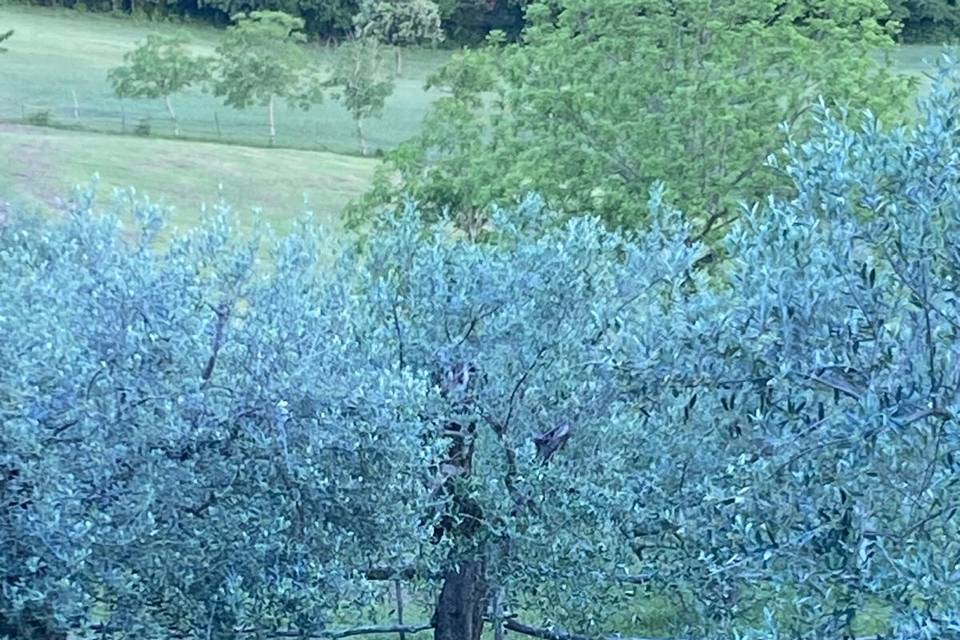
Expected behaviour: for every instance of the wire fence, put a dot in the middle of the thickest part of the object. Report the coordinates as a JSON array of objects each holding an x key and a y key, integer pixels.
[{"x": 328, "y": 128}]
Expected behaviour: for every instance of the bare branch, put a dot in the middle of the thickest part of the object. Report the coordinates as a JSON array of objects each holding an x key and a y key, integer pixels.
[
  {"x": 340, "y": 633},
  {"x": 223, "y": 316},
  {"x": 558, "y": 634},
  {"x": 399, "y": 332},
  {"x": 502, "y": 427},
  {"x": 375, "y": 629}
]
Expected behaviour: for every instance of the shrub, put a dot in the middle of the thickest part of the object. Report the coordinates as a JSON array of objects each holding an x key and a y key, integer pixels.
[
  {"x": 39, "y": 118},
  {"x": 142, "y": 128}
]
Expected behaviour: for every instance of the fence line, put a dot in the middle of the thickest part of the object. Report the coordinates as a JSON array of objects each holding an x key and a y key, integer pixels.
[{"x": 295, "y": 129}]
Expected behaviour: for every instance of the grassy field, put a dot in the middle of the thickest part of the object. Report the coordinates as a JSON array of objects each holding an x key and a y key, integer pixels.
[
  {"x": 42, "y": 164},
  {"x": 56, "y": 53}
]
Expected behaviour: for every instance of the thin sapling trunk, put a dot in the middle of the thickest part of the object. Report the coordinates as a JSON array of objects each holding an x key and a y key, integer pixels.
[
  {"x": 173, "y": 115},
  {"x": 273, "y": 127}
]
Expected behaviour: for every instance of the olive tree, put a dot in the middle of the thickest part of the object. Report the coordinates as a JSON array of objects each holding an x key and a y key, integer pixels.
[
  {"x": 547, "y": 414},
  {"x": 400, "y": 23},
  {"x": 221, "y": 448},
  {"x": 158, "y": 68},
  {"x": 182, "y": 469},
  {"x": 810, "y": 489}
]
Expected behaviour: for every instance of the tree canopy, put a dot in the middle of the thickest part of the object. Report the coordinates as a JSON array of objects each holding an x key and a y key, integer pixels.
[
  {"x": 158, "y": 68},
  {"x": 192, "y": 441},
  {"x": 399, "y": 23},
  {"x": 599, "y": 101},
  {"x": 260, "y": 60},
  {"x": 360, "y": 83}
]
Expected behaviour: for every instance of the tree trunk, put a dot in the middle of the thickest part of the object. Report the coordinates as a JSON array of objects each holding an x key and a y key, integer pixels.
[
  {"x": 461, "y": 605},
  {"x": 398, "y": 55},
  {"x": 173, "y": 115},
  {"x": 273, "y": 128},
  {"x": 362, "y": 136}
]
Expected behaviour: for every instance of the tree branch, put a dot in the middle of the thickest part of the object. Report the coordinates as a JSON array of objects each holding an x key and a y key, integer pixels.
[
  {"x": 386, "y": 628},
  {"x": 558, "y": 634},
  {"x": 399, "y": 332},
  {"x": 340, "y": 633},
  {"x": 223, "y": 316},
  {"x": 393, "y": 573}
]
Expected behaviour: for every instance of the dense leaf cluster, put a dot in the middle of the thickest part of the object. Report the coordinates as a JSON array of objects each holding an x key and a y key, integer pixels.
[
  {"x": 399, "y": 23},
  {"x": 603, "y": 98},
  {"x": 196, "y": 441}
]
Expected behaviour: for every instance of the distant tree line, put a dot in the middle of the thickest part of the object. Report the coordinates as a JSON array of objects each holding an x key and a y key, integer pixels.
[
  {"x": 260, "y": 62},
  {"x": 463, "y": 20},
  {"x": 927, "y": 20}
]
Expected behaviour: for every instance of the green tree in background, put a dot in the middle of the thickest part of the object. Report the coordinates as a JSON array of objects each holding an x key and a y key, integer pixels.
[
  {"x": 260, "y": 60},
  {"x": 360, "y": 83},
  {"x": 604, "y": 97},
  {"x": 400, "y": 23},
  {"x": 158, "y": 68}
]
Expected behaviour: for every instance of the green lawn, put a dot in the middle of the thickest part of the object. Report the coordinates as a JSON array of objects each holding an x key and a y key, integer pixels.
[
  {"x": 42, "y": 164},
  {"x": 57, "y": 52}
]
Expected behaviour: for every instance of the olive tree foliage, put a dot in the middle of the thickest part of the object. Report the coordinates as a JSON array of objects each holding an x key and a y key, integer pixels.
[
  {"x": 599, "y": 101},
  {"x": 522, "y": 333},
  {"x": 360, "y": 83},
  {"x": 158, "y": 68},
  {"x": 549, "y": 410},
  {"x": 816, "y": 469},
  {"x": 400, "y": 23},
  {"x": 260, "y": 60},
  {"x": 189, "y": 447},
  {"x": 220, "y": 448}
]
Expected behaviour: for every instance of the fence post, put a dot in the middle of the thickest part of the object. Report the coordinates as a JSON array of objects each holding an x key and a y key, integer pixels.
[
  {"x": 498, "y": 596},
  {"x": 76, "y": 105},
  {"x": 398, "y": 591},
  {"x": 123, "y": 118},
  {"x": 216, "y": 121},
  {"x": 23, "y": 112}
]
